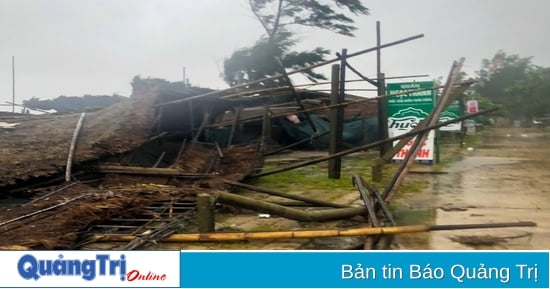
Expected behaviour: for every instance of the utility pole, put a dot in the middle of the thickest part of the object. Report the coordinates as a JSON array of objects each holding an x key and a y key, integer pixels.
[
  {"x": 184, "y": 79},
  {"x": 13, "y": 84}
]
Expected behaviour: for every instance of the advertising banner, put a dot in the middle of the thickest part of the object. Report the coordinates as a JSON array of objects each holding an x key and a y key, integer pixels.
[
  {"x": 454, "y": 110},
  {"x": 406, "y": 111}
]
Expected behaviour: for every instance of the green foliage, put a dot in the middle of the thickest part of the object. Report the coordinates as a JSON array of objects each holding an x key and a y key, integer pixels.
[
  {"x": 257, "y": 62},
  {"x": 276, "y": 16},
  {"x": 533, "y": 92},
  {"x": 498, "y": 75},
  {"x": 313, "y": 13}
]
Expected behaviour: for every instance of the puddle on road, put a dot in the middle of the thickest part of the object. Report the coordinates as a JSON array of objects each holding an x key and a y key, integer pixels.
[{"x": 502, "y": 180}]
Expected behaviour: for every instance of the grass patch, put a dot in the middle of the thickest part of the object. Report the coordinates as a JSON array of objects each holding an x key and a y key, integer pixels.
[{"x": 313, "y": 181}]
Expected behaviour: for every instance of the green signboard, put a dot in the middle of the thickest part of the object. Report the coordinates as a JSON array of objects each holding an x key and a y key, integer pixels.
[
  {"x": 407, "y": 110},
  {"x": 454, "y": 110}
]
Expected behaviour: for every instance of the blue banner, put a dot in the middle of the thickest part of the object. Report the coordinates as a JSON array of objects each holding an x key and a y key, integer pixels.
[{"x": 364, "y": 269}]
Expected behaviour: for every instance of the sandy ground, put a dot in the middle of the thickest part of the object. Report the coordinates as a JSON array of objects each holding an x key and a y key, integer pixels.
[{"x": 506, "y": 178}]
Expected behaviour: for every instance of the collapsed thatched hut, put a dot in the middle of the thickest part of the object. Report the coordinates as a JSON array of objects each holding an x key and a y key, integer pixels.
[{"x": 112, "y": 158}]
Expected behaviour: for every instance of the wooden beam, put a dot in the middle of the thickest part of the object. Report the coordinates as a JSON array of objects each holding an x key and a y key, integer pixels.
[{"x": 114, "y": 169}]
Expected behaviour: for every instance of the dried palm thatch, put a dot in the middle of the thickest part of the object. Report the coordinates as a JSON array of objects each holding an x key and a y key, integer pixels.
[
  {"x": 54, "y": 222},
  {"x": 38, "y": 146},
  {"x": 57, "y": 220}
]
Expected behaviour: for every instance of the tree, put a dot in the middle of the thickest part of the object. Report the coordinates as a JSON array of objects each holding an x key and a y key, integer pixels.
[
  {"x": 274, "y": 50},
  {"x": 257, "y": 62},
  {"x": 532, "y": 94},
  {"x": 498, "y": 75}
]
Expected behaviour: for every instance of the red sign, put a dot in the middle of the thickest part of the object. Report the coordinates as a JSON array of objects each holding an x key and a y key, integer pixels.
[{"x": 471, "y": 106}]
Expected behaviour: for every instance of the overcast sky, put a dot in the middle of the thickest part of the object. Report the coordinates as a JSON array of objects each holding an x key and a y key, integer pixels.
[{"x": 69, "y": 47}]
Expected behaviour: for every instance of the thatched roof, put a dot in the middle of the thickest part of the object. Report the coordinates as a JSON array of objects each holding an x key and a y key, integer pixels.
[
  {"x": 38, "y": 146},
  {"x": 74, "y": 104}
]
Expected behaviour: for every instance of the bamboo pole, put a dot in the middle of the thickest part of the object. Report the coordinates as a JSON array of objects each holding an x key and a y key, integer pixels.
[
  {"x": 180, "y": 152},
  {"x": 327, "y": 233},
  {"x": 275, "y": 115},
  {"x": 285, "y": 195},
  {"x": 42, "y": 210},
  {"x": 201, "y": 127},
  {"x": 369, "y": 203},
  {"x": 313, "y": 137},
  {"x": 290, "y": 213},
  {"x": 72, "y": 147},
  {"x": 51, "y": 193},
  {"x": 236, "y": 117},
  {"x": 256, "y": 91},
  {"x": 294, "y": 71},
  {"x": 157, "y": 163},
  {"x": 361, "y": 80},
  {"x": 432, "y": 119},
  {"x": 146, "y": 171},
  {"x": 391, "y": 152},
  {"x": 370, "y": 145}
]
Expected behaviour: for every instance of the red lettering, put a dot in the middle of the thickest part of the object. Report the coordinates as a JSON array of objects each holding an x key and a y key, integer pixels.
[
  {"x": 135, "y": 275},
  {"x": 424, "y": 153},
  {"x": 402, "y": 153}
]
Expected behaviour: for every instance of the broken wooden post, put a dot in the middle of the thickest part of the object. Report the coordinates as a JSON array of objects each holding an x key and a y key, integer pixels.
[
  {"x": 336, "y": 122},
  {"x": 376, "y": 172},
  {"x": 205, "y": 213}
]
